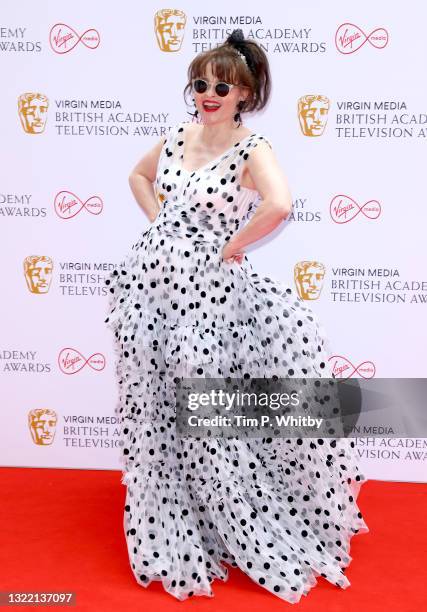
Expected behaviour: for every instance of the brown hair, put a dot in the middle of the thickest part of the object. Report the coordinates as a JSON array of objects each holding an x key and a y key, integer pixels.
[{"x": 229, "y": 67}]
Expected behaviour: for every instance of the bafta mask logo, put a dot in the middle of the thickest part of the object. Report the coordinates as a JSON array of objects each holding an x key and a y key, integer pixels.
[
  {"x": 308, "y": 276},
  {"x": 313, "y": 114},
  {"x": 42, "y": 424},
  {"x": 38, "y": 273},
  {"x": 169, "y": 25},
  {"x": 32, "y": 110}
]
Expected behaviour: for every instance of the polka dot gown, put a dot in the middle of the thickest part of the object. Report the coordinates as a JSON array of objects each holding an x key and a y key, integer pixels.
[{"x": 282, "y": 510}]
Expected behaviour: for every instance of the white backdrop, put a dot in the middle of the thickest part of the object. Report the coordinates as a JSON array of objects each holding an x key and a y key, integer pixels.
[{"x": 107, "y": 85}]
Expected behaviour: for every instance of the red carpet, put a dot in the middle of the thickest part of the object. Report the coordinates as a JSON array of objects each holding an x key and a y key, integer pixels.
[{"x": 62, "y": 530}]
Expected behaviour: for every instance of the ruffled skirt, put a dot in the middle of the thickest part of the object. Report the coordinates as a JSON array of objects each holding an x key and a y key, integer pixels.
[{"x": 283, "y": 510}]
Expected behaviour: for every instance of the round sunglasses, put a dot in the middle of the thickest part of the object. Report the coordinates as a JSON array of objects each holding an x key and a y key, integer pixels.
[{"x": 221, "y": 89}]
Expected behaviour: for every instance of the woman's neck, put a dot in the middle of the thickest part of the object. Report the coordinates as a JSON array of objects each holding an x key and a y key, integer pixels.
[{"x": 219, "y": 135}]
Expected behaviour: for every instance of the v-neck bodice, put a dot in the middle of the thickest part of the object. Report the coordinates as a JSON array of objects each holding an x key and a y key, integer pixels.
[{"x": 222, "y": 156}]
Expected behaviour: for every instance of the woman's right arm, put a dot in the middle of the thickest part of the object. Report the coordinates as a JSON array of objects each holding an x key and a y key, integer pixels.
[{"x": 141, "y": 181}]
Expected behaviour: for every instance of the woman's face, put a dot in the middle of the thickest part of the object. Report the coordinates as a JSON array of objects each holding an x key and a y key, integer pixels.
[{"x": 227, "y": 104}]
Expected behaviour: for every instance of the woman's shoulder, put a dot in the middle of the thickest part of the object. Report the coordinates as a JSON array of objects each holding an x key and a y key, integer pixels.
[
  {"x": 258, "y": 137},
  {"x": 175, "y": 130},
  {"x": 183, "y": 125},
  {"x": 172, "y": 134}
]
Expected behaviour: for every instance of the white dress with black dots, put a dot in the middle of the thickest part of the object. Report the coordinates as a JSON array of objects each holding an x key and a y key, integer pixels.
[{"x": 282, "y": 510}]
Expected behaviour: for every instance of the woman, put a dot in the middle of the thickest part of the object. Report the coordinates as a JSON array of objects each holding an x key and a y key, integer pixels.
[{"x": 186, "y": 302}]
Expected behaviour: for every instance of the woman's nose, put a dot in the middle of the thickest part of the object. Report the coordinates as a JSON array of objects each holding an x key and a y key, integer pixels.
[{"x": 213, "y": 85}]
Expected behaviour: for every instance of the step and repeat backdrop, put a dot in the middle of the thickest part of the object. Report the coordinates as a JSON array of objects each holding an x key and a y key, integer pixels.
[{"x": 88, "y": 89}]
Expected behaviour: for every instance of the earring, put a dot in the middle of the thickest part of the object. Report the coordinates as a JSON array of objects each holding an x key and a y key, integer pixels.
[
  {"x": 196, "y": 116},
  {"x": 237, "y": 116}
]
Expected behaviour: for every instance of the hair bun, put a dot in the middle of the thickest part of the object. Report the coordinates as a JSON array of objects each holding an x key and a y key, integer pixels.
[
  {"x": 237, "y": 40},
  {"x": 236, "y": 37}
]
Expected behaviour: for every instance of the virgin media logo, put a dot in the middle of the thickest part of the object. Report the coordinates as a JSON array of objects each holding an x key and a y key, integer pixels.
[
  {"x": 70, "y": 361},
  {"x": 350, "y": 38},
  {"x": 62, "y": 38},
  {"x": 344, "y": 209},
  {"x": 67, "y": 205},
  {"x": 343, "y": 368}
]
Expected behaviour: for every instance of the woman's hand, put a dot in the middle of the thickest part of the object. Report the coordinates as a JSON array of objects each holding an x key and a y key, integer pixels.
[{"x": 231, "y": 255}]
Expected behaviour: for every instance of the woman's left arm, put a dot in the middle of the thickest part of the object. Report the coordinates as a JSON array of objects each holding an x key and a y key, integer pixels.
[{"x": 276, "y": 204}]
